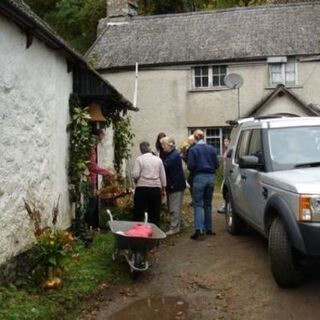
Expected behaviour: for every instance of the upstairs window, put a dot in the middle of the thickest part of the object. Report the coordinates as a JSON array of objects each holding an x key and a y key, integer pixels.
[
  {"x": 209, "y": 76},
  {"x": 282, "y": 70},
  {"x": 201, "y": 77},
  {"x": 218, "y": 74}
]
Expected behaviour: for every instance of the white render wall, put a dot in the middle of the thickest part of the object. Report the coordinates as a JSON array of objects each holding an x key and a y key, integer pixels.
[
  {"x": 168, "y": 103},
  {"x": 34, "y": 113},
  {"x": 106, "y": 151}
]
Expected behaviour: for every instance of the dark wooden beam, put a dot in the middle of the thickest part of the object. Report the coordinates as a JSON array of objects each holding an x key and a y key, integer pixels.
[
  {"x": 29, "y": 37},
  {"x": 69, "y": 66}
]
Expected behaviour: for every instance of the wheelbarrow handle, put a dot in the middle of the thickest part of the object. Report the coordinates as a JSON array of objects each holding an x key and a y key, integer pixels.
[
  {"x": 146, "y": 217},
  {"x": 110, "y": 215}
]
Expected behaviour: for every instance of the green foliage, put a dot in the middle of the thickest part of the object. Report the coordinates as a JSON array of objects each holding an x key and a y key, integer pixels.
[
  {"x": 147, "y": 7},
  {"x": 81, "y": 141},
  {"x": 75, "y": 20},
  {"x": 80, "y": 144},
  {"x": 84, "y": 273},
  {"x": 43, "y": 7},
  {"x": 51, "y": 248},
  {"x": 122, "y": 140},
  {"x": 161, "y": 6}
]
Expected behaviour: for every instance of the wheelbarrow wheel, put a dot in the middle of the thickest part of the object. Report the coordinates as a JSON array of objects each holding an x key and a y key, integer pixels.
[
  {"x": 135, "y": 274},
  {"x": 138, "y": 262}
]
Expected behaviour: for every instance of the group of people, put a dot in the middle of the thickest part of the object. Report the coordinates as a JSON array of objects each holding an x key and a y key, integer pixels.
[{"x": 159, "y": 174}]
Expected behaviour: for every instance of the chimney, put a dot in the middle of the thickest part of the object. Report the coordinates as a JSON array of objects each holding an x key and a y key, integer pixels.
[{"x": 122, "y": 8}]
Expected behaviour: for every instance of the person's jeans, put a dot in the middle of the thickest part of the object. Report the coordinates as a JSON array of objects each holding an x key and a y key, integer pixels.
[{"x": 202, "y": 190}]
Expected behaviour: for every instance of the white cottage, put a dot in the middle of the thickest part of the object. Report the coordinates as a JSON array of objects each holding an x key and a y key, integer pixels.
[
  {"x": 184, "y": 58},
  {"x": 38, "y": 72}
]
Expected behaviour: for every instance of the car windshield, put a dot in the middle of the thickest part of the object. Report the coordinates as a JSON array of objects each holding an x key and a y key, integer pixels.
[{"x": 294, "y": 147}]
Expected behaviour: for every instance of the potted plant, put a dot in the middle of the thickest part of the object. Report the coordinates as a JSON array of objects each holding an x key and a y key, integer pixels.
[{"x": 50, "y": 249}]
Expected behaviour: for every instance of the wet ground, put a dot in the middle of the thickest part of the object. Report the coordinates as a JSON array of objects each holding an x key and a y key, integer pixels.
[{"x": 221, "y": 277}]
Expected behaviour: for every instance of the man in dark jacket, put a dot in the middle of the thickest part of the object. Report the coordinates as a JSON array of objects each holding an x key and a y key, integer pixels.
[
  {"x": 203, "y": 162},
  {"x": 175, "y": 183}
]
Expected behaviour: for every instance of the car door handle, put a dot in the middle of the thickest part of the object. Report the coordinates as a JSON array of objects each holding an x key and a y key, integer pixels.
[{"x": 243, "y": 177}]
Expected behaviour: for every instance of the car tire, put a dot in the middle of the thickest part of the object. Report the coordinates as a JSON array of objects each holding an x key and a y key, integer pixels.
[
  {"x": 234, "y": 223},
  {"x": 285, "y": 265}
]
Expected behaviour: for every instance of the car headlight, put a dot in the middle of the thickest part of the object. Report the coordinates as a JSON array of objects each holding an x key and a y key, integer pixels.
[{"x": 309, "y": 208}]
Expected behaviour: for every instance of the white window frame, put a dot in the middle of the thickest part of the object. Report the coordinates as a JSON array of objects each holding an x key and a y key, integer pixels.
[
  {"x": 201, "y": 77},
  {"x": 221, "y": 83},
  {"x": 283, "y": 63},
  {"x": 221, "y": 135},
  {"x": 210, "y": 76}
]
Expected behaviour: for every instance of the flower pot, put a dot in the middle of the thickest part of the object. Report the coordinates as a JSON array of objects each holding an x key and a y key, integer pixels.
[{"x": 53, "y": 278}]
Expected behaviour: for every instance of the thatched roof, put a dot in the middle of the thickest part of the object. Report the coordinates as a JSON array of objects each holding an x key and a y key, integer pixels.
[{"x": 232, "y": 34}]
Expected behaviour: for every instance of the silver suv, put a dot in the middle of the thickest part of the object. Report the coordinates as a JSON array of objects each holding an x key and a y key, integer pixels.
[{"x": 272, "y": 183}]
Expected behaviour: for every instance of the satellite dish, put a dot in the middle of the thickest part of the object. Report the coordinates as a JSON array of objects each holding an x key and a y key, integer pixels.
[{"x": 233, "y": 81}]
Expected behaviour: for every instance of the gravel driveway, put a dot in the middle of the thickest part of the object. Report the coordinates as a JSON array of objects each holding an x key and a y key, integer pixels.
[{"x": 221, "y": 277}]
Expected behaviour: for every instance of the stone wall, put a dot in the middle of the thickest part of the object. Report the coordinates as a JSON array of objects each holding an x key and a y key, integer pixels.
[{"x": 34, "y": 92}]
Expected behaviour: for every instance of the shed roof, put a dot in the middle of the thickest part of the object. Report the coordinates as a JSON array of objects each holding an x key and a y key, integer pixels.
[
  {"x": 231, "y": 34},
  {"x": 21, "y": 14}
]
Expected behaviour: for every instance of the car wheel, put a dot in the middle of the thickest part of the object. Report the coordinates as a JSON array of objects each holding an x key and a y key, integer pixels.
[
  {"x": 233, "y": 222},
  {"x": 285, "y": 263}
]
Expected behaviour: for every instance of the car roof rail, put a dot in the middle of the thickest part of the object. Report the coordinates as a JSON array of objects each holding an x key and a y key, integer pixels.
[
  {"x": 238, "y": 121},
  {"x": 276, "y": 116},
  {"x": 265, "y": 117}
]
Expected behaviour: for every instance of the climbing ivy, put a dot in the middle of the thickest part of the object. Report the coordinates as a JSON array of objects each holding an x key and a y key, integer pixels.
[
  {"x": 80, "y": 144},
  {"x": 122, "y": 141},
  {"x": 81, "y": 140}
]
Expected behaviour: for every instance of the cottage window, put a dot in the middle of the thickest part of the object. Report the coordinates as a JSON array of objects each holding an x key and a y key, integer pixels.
[
  {"x": 209, "y": 76},
  {"x": 215, "y": 136},
  {"x": 282, "y": 70},
  {"x": 218, "y": 74},
  {"x": 201, "y": 77}
]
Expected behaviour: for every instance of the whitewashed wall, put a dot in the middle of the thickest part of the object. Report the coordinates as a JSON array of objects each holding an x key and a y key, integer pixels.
[
  {"x": 34, "y": 93},
  {"x": 168, "y": 103},
  {"x": 106, "y": 151}
]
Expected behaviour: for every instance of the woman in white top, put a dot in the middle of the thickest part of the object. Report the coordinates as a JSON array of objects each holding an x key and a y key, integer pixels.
[{"x": 150, "y": 178}]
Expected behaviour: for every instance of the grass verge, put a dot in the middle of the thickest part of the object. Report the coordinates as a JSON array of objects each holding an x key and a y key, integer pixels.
[{"x": 83, "y": 274}]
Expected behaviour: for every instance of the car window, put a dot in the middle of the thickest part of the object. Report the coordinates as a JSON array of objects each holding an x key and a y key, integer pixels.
[
  {"x": 294, "y": 146},
  {"x": 255, "y": 146},
  {"x": 243, "y": 144}
]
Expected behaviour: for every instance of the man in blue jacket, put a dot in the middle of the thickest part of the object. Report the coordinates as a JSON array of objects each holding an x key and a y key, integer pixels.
[
  {"x": 175, "y": 183},
  {"x": 202, "y": 162}
]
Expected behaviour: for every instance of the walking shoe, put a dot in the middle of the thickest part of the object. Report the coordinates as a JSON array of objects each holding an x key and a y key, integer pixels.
[
  {"x": 197, "y": 235},
  {"x": 171, "y": 232},
  {"x": 210, "y": 233}
]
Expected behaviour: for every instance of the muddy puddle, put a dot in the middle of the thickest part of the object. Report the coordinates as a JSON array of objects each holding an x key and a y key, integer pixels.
[{"x": 154, "y": 309}]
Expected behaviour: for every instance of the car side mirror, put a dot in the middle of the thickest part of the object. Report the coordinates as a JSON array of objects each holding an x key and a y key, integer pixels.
[
  {"x": 229, "y": 153},
  {"x": 250, "y": 162}
]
